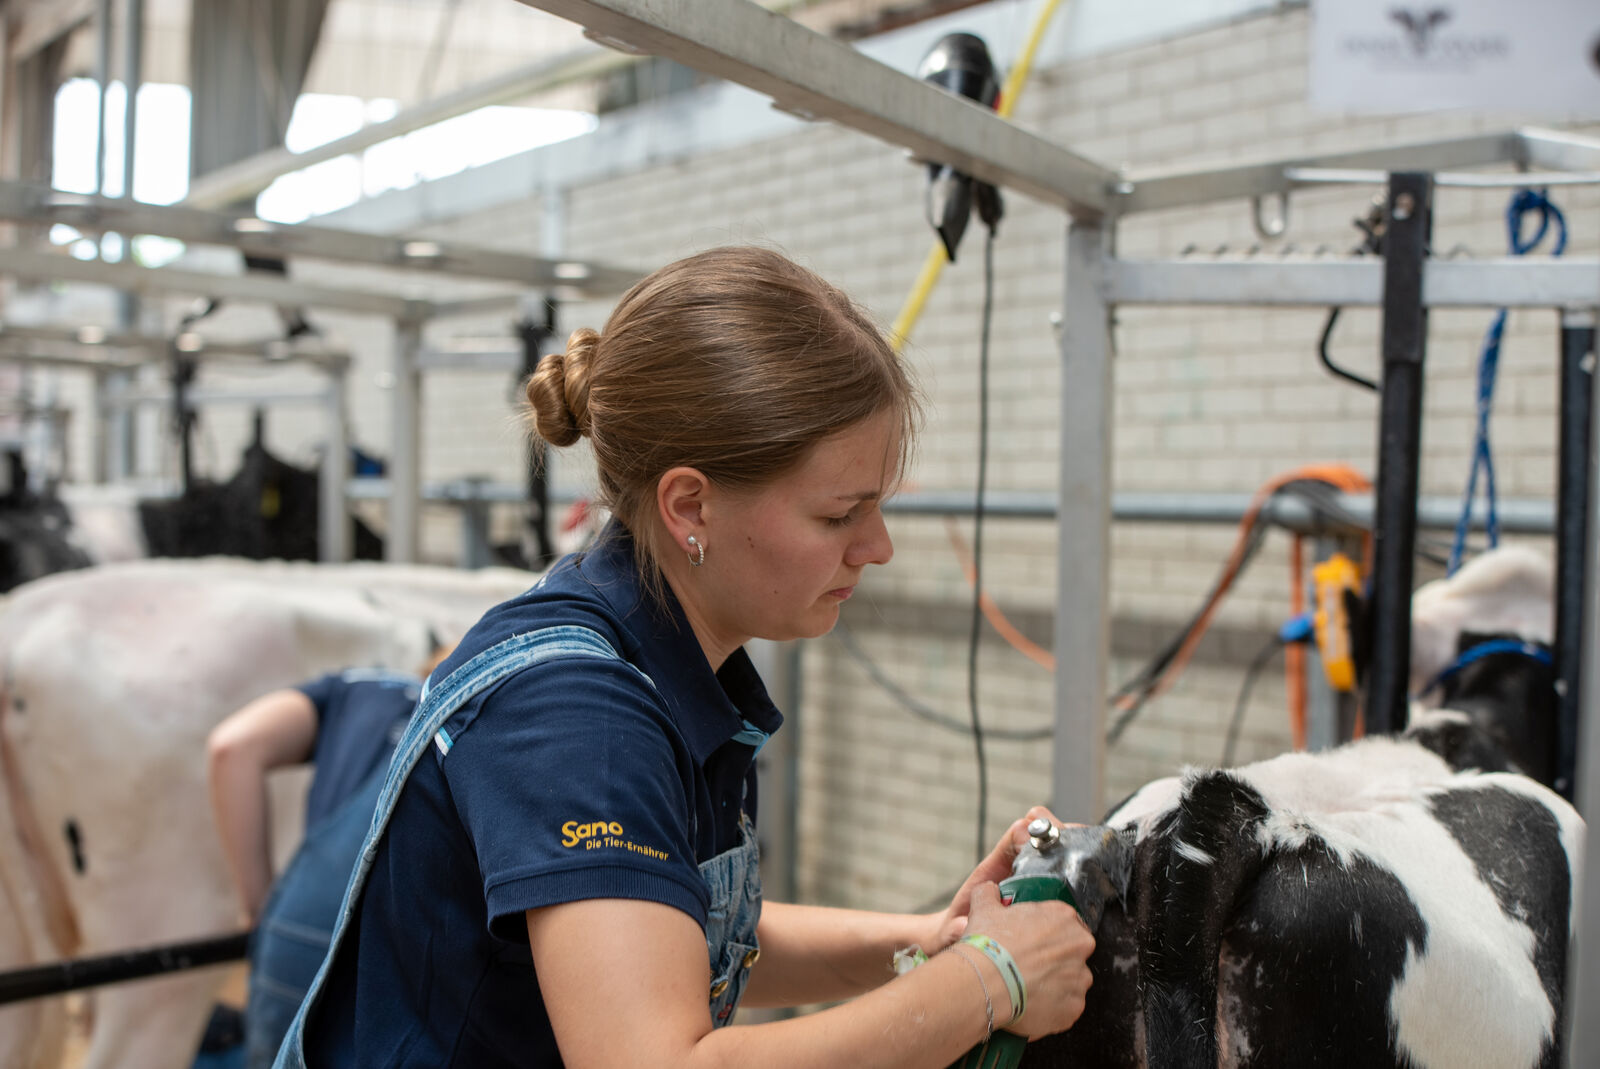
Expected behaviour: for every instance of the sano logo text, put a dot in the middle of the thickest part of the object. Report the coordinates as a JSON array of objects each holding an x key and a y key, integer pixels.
[{"x": 573, "y": 833}]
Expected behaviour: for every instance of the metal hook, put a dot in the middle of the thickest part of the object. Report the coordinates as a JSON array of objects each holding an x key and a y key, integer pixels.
[{"x": 1278, "y": 226}]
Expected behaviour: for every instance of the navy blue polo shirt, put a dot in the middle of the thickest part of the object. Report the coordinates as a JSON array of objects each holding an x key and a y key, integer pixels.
[
  {"x": 361, "y": 714},
  {"x": 569, "y": 780}
]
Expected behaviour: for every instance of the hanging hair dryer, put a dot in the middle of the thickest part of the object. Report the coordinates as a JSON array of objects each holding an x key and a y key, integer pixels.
[{"x": 960, "y": 63}]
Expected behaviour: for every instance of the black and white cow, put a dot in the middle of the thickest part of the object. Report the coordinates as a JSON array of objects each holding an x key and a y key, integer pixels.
[{"x": 1399, "y": 902}]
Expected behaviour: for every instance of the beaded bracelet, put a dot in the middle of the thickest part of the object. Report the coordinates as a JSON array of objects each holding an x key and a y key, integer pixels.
[
  {"x": 988, "y": 1006},
  {"x": 1008, "y": 971}
]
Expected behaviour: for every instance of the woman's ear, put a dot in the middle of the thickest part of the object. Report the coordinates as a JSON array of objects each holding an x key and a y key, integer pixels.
[{"x": 680, "y": 499}]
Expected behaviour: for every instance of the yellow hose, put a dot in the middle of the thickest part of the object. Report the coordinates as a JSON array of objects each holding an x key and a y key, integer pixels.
[{"x": 933, "y": 266}]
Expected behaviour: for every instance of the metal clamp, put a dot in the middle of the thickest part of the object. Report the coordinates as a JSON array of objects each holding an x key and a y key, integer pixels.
[{"x": 1277, "y": 227}]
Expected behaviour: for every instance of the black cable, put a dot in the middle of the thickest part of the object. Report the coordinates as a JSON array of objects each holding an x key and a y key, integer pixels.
[
  {"x": 921, "y": 710},
  {"x": 1327, "y": 361},
  {"x": 1251, "y": 674},
  {"x": 1321, "y": 498},
  {"x": 1144, "y": 681},
  {"x": 977, "y": 537}
]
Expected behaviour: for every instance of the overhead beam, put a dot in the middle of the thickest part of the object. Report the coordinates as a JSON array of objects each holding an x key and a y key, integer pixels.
[
  {"x": 241, "y": 181},
  {"x": 33, "y": 203},
  {"x": 818, "y": 78},
  {"x": 91, "y": 339},
  {"x": 45, "y": 21},
  {"x": 52, "y": 267},
  {"x": 1158, "y": 189},
  {"x": 1559, "y": 151},
  {"x": 12, "y": 352},
  {"x": 1570, "y": 282}
]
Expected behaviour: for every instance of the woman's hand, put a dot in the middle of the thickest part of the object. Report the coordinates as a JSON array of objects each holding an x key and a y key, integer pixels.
[
  {"x": 952, "y": 923},
  {"x": 1051, "y": 947}
]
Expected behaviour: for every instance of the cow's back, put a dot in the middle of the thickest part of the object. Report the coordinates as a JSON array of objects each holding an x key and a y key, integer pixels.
[{"x": 112, "y": 679}]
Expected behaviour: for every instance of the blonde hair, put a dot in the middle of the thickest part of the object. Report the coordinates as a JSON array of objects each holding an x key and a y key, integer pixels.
[{"x": 734, "y": 362}]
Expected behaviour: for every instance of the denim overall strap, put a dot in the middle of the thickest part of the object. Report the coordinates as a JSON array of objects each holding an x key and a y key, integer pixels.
[
  {"x": 291, "y": 938},
  {"x": 438, "y": 704},
  {"x": 733, "y": 879}
]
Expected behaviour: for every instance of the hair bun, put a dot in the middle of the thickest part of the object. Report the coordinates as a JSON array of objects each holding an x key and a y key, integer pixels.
[{"x": 558, "y": 391}]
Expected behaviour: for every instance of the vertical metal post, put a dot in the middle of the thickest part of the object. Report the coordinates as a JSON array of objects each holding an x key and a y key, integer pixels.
[
  {"x": 132, "y": 77},
  {"x": 1572, "y": 530},
  {"x": 405, "y": 478},
  {"x": 102, "y": 77},
  {"x": 333, "y": 516},
  {"x": 538, "y": 333},
  {"x": 1583, "y": 972},
  {"x": 540, "y": 551},
  {"x": 1082, "y": 637},
  {"x": 99, "y": 439},
  {"x": 1405, "y": 336},
  {"x": 778, "y": 665},
  {"x": 476, "y": 550}
]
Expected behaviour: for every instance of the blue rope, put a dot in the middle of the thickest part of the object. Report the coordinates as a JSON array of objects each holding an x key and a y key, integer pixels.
[{"x": 1524, "y": 203}]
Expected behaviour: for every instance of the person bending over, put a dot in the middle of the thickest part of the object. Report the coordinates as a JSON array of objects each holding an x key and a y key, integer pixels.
[{"x": 346, "y": 725}]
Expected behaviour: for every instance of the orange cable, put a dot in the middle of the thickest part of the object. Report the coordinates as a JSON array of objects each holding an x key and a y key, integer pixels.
[
  {"x": 1340, "y": 476},
  {"x": 991, "y": 612},
  {"x": 1294, "y": 658}
]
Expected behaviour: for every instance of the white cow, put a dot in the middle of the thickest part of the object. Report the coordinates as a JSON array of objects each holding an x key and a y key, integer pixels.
[{"x": 110, "y": 680}]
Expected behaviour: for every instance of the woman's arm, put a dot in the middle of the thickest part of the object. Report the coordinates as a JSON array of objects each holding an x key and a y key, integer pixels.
[
  {"x": 275, "y": 730},
  {"x": 626, "y": 983},
  {"x": 815, "y": 954}
]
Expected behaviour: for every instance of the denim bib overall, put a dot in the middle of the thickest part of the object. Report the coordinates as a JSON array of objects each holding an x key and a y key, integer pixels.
[
  {"x": 292, "y": 937},
  {"x": 732, "y": 878}
]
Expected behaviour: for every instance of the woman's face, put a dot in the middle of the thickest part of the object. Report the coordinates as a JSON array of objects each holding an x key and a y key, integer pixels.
[{"x": 782, "y": 559}]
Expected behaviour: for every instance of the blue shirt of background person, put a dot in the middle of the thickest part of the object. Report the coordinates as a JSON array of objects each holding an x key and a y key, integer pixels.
[
  {"x": 346, "y": 725},
  {"x": 545, "y": 885}
]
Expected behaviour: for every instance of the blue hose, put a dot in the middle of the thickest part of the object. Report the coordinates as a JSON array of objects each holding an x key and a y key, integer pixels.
[{"x": 1524, "y": 203}]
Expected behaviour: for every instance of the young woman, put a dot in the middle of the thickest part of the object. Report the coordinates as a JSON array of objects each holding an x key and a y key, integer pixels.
[{"x": 564, "y": 869}]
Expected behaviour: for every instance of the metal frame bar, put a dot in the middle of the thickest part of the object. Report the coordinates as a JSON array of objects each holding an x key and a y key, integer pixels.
[
  {"x": 10, "y": 353},
  {"x": 1405, "y": 342},
  {"x": 1502, "y": 282},
  {"x": 334, "y": 538},
  {"x": 816, "y": 77},
  {"x": 162, "y": 395},
  {"x": 1163, "y": 188},
  {"x": 52, "y": 267},
  {"x": 1583, "y": 967},
  {"x": 1558, "y": 151},
  {"x": 405, "y": 453},
  {"x": 1572, "y": 533},
  {"x": 26, "y": 202},
  {"x": 40, "y": 24},
  {"x": 248, "y": 177},
  {"x": 154, "y": 348},
  {"x": 1082, "y": 636}
]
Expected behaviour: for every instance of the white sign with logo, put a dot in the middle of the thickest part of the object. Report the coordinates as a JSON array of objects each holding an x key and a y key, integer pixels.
[{"x": 1389, "y": 56}]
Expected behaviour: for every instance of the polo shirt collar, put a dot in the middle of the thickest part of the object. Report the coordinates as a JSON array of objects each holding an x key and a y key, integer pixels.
[{"x": 710, "y": 708}]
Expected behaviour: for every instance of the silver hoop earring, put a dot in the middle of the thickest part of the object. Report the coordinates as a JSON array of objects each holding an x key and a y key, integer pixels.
[{"x": 700, "y": 559}]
